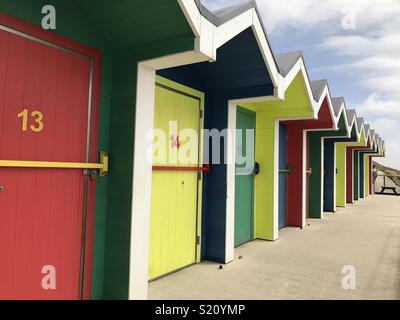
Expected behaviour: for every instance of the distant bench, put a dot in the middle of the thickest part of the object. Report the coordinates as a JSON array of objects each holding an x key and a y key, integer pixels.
[
  {"x": 385, "y": 187},
  {"x": 389, "y": 188}
]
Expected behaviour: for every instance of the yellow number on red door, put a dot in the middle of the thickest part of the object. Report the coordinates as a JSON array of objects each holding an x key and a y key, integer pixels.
[{"x": 37, "y": 119}]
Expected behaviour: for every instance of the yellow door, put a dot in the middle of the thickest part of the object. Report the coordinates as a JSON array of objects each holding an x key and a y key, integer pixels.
[{"x": 175, "y": 181}]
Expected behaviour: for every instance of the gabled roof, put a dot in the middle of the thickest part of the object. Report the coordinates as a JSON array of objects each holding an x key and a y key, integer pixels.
[
  {"x": 318, "y": 88},
  {"x": 289, "y": 65},
  {"x": 361, "y": 130},
  {"x": 373, "y": 138},
  {"x": 353, "y": 121},
  {"x": 367, "y": 130},
  {"x": 360, "y": 124},
  {"x": 214, "y": 29},
  {"x": 337, "y": 104},
  {"x": 287, "y": 61},
  {"x": 339, "y": 108},
  {"x": 351, "y": 117}
]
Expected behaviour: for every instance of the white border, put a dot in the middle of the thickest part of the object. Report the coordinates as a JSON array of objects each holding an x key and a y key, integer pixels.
[{"x": 230, "y": 179}]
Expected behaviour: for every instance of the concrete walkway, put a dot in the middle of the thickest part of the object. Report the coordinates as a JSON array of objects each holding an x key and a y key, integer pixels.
[{"x": 305, "y": 264}]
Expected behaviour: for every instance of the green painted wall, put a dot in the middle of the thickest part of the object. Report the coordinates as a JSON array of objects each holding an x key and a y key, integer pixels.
[
  {"x": 315, "y": 155},
  {"x": 116, "y": 280},
  {"x": 295, "y": 105},
  {"x": 341, "y": 174},
  {"x": 125, "y": 32}
]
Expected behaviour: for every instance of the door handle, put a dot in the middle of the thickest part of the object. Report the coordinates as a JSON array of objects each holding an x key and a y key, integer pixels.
[
  {"x": 288, "y": 170},
  {"x": 257, "y": 169},
  {"x": 1, "y": 188},
  {"x": 102, "y": 166}
]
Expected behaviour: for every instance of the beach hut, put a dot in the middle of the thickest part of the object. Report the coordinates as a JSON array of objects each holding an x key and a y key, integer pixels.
[
  {"x": 340, "y": 146},
  {"x": 299, "y": 150},
  {"x": 273, "y": 147},
  {"x": 353, "y": 164},
  {"x": 358, "y": 163},
  {"x": 89, "y": 85},
  {"x": 207, "y": 215},
  {"x": 361, "y": 141},
  {"x": 365, "y": 166},
  {"x": 120, "y": 142},
  {"x": 323, "y": 156}
]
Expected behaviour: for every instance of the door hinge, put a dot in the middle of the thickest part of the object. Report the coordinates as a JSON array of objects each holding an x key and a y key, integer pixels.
[
  {"x": 201, "y": 114},
  {"x": 91, "y": 173},
  {"x": 199, "y": 175},
  {"x": 197, "y": 240}
]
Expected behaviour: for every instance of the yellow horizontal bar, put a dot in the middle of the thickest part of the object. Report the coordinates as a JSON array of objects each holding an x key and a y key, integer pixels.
[{"x": 52, "y": 165}]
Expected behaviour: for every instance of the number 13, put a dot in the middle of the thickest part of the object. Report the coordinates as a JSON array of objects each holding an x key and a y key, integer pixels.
[{"x": 38, "y": 119}]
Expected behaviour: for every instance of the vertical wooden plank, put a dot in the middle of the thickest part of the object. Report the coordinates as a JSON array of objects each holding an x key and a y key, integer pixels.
[
  {"x": 283, "y": 140},
  {"x": 43, "y": 207},
  {"x": 174, "y": 204},
  {"x": 244, "y": 181}
]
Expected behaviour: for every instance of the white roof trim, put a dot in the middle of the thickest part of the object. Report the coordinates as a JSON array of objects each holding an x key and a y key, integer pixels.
[
  {"x": 210, "y": 37},
  {"x": 362, "y": 130},
  {"x": 343, "y": 111},
  {"x": 327, "y": 95},
  {"x": 287, "y": 81}
]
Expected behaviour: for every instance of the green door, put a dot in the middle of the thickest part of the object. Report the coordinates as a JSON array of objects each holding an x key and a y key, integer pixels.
[{"x": 244, "y": 182}]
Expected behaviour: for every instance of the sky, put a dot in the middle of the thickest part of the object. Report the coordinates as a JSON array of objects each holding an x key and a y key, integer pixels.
[{"x": 354, "y": 44}]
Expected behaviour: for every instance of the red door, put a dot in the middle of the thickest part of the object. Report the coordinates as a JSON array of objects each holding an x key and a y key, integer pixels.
[
  {"x": 308, "y": 173},
  {"x": 44, "y": 112}
]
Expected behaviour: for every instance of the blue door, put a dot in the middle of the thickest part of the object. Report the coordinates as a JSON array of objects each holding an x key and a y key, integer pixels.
[{"x": 283, "y": 172}]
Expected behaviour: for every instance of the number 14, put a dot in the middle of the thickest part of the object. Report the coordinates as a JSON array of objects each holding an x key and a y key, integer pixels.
[{"x": 38, "y": 119}]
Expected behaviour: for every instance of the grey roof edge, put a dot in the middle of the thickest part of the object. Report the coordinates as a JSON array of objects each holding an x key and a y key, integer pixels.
[
  {"x": 318, "y": 87},
  {"x": 351, "y": 117},
  {"x": 286, "y": 61},
  {"x": 367, "y": 129},
  {"x": 223, "y": 15},
  {"x": 219, "y": 17},
  {"x": 360, "y": 124},
  {"x": 337, "y": 103},
  {"x": 373, "y": 135}
]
